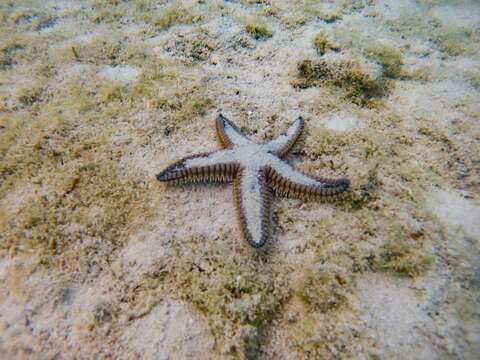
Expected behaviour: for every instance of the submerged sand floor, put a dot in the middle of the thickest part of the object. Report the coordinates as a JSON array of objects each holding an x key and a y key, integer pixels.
[{"x": 99, "y": 260}]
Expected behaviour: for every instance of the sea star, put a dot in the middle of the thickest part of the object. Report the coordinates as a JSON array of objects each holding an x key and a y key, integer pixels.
[{"x": 254, "y": 169}]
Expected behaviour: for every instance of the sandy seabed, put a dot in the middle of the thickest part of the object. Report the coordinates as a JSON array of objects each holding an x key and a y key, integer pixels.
[{"x": 99, "y": 260}]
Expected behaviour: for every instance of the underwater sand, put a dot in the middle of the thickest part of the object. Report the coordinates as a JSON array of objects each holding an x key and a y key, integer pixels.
[{"x": 99, "y": 260}]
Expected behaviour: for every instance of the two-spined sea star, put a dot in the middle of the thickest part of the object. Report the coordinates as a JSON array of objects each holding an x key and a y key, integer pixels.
[{"x": 254, "y": 169}]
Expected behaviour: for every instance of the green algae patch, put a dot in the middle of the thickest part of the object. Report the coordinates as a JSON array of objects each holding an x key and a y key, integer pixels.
[
  {"x": 75, "y": 191},
  {"x": 388, "y": 180},
  {"x": 193, "y": 47},
  {"x": 473, "y": 77},
  {"x": 60, "y": 178},
  {"x": 106, "y": 11},
  {"x": 389, "y": 58},
  {"x": 322, "y": 44},
  {"x": 13, "y": 48},
  {"x": 110, "y": 91},
  {"x": 315, "y": 10},
  {"x": 292, "y": 22},
  {"x": 359, "y": 87},
  {"x": 330, "y": 17},
  {"x": 174, "y": 14},
  {"x": 239, "y": 296},
  {"x": 100, "y": 50},
  {"x": 179, "y": 94},
  {"x": 257, "y": 30},
  {"x": 454, "y": 41},
  {"x": 403, "y": 258},
  {"x": 316, "y": 336},
  {"x": 270, "y": 10},
  {"x": 325, "y": 288},
  {"x": 27, "y": 96}
]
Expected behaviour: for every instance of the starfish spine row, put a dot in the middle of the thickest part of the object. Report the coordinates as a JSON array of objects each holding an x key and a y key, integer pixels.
[
  {"x": 287, "y": 187},
  {"x": 178, "y": 172}
]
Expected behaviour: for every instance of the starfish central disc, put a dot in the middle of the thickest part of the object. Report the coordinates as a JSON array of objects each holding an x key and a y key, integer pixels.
[{"x": 255, "y": 169}]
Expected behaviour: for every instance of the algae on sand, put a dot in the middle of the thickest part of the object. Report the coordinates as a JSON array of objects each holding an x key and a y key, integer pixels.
[
  {"x": 97, "y": 96},
  {"x": 359, "y": 87}
]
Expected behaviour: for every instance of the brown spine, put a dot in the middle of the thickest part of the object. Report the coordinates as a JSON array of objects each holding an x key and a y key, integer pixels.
[{"x": 326, "y": 189}]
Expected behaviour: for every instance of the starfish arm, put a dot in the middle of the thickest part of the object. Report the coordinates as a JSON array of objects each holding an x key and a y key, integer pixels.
[
  {"x": 228, "y": 134},
  {"x": 285, "y": 142},
  {"x": 284, "y": 179},
  {"x": 215, "y": 166},
  {"x": 252, "y": 198}
]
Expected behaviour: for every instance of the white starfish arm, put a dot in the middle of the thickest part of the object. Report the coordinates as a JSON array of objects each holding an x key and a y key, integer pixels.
[
  {"x": 252, "y": 198},
  {"x": 216, "y": 166},
  {"x": 286, "y": 180},
  {"x": 284, "y": 143},
  {"x": 228, "y": 133}
]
